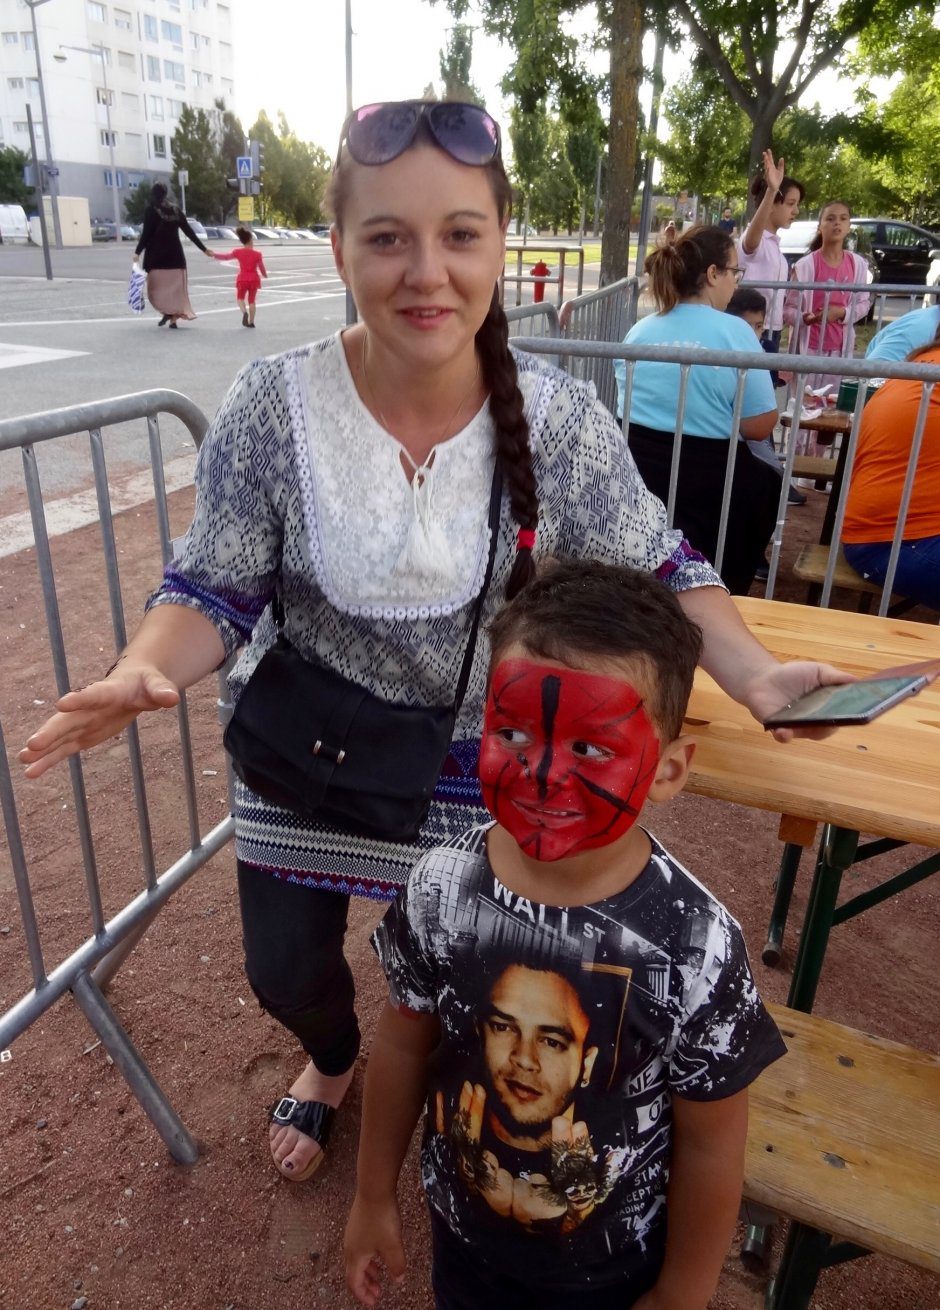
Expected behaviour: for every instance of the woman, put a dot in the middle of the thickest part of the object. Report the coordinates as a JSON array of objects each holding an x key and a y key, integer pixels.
[
  {"x": 164, "y": 261},
  {"x": 874, "y": 501},
  {"x": 351, "y": 478},
  {"x": 692, "y": 280},
  {"x": 822, "y": 321}
]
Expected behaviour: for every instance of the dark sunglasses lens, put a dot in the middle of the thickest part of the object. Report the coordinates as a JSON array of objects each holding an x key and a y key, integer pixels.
[
  {"x": 465, "y": 131},
  {"x": 379, "y": 133}
]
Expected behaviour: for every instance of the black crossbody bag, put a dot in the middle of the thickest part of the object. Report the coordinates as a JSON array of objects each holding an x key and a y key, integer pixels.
[{"x": 308, "y": 739}]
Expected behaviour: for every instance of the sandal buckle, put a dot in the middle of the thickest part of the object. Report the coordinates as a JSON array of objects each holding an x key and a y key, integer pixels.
[{"x": 284, "y": 1109}]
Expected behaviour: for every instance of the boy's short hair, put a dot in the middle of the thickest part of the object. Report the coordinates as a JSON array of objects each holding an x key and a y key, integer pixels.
[
  {"x": 244, "y": 234},
  {"x": 583, "y": 608},
  {"x": 746, "y": 300}
]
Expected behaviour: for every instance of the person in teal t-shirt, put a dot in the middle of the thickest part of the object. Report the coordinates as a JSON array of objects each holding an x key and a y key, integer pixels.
[
  {"x": 692, "y": 281},
  {"x": 911, "y": 331}
]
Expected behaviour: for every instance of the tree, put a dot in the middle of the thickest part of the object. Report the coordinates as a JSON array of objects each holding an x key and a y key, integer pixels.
[
  {"x": 13, "y": 190},
  {"x": 456, "y": 81},
  {"x": 195, "y": 148},
  {"x": 295, "y": 174},
  {"x": 137, "y": 202},
  {"x": 768, "y": 52}
]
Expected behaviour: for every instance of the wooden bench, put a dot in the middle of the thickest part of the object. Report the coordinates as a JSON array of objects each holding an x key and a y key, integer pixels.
[
  {"x": 814, "y": 466},
  {"x": 843, "y": 1142},
  {"x": 811, "y": 565}
]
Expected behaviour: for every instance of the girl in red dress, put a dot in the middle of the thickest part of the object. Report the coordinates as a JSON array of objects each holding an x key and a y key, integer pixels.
[{"x": 251, "y": 270}]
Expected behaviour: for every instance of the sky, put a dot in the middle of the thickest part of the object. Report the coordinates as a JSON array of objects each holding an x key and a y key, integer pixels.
[{"x": 292, "y": 57}]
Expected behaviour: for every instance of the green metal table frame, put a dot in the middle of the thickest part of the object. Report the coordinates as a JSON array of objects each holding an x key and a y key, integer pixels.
[{"x": 807, "y": 1250}]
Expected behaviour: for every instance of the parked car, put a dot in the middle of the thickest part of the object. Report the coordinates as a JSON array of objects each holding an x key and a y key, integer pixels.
[
  {"x": 900, "y": 252},
  {"x": 320, "y": 229},
  {"x": 227, "y": 233},
  {"x": 213, "y": 233},
  {"x": 265, "y": 233},
  {"x": 318, "y": 233},
  {"x": 795, "y": 239},
  {"x": 517, "y": 228},
  {"x": 933, "y": 279},
  {"x": 108, "y": 232},
  {"x": 197, "y": 227}
]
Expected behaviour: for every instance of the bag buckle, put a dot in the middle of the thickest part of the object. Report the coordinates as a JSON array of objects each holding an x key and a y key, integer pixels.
[{"x": 337, "y": 756}]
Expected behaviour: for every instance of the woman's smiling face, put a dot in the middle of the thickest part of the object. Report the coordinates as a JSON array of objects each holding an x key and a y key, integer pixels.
[{"x": 421, "y": 246}]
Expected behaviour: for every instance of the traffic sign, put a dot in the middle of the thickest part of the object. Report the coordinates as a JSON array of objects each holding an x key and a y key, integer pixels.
[
  {"x": 246, "y": 209},
  {"x": 243, "y": 166}
]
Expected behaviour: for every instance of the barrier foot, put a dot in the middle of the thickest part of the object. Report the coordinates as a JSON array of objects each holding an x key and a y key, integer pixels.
[
  {"x": 104, "y": 971},
  {"x": 139, "y": 1078}
]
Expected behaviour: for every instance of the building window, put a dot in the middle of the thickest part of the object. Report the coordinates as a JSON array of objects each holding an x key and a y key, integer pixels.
[
  {"x": 194, "y": 40},
  {"x": 14, "y": 83},
  {"x": 150, "y": 28},
  {"x": 32, "y": 87},
  {"x": 174, "y": 108},
  {"x": 28, "y": 42},
  {"x": 20, "y": 128},
  {"x": 11, "y": 38},
  {"x": 153, "y": 68},
  {"x": 107, "y": 178},
  {"x": 108, "y": 138},
  {"x": 122, "y": 19},
  {"x": 174, "y": 71},
  {"x": 130, "y": 102},
  {"x": 155, "y": 107},
  {"x": 97, "y": 13},
  {"x": 104, "y": 97},
  {"x": 126, "y": 59},
  {"x": 159, "y": 146},
  {"x": 171, "y": 32},
  {"x": 201, "y": 79}
]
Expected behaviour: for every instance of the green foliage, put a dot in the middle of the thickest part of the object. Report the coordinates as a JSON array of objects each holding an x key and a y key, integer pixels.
[
  {"x": 136, "y": 203},
  {"x": 456, "y": 79},
  {"x": 295, "y": 174},
  {"x": 13, "y": 190},
  {"x": 195, "y": 148}
]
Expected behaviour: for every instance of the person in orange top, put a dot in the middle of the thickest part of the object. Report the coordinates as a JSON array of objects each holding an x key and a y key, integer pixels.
[
  {"x": 251, "y": 270},
  {"x": 872, "y": 509}
]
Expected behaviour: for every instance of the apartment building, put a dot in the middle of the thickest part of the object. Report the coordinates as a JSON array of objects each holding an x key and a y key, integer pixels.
[{"x": 140, "y": 63}]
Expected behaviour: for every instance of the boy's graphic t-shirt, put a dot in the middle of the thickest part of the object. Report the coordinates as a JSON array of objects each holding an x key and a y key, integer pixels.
[{"x": 564, "y": 1034}]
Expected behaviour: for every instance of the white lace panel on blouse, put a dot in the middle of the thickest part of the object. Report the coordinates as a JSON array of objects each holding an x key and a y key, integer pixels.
[{"x": 383, "y": 547}]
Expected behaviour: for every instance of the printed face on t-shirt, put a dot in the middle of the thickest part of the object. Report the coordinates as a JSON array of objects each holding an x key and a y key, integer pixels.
[
  {"x": 533, "y": 1029},
  {"x": 567, "y": 757}
]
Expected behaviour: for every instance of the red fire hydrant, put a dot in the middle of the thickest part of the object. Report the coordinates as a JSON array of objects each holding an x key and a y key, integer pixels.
[{"x": 540, "y": 269}]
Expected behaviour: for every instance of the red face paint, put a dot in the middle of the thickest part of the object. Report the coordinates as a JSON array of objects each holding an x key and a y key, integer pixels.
[{"x": 567, "y": 758}]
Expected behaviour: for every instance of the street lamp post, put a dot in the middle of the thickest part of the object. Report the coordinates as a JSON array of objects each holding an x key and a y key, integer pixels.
[
  {"x": 46, "y": 133},
  {"x": 100, "y": 52}
]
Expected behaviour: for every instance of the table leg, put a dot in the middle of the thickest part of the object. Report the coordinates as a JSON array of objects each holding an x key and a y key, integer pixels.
[
  {"x": 795, "y": 1281},
  {"x": 783, "y": 893},
  {"x": 836, "y": 854}
]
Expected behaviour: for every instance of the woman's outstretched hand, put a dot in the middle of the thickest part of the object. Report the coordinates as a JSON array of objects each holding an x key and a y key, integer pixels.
[
  {"x": 96, "y": 712},
  {"x": 781, "y": 684}
]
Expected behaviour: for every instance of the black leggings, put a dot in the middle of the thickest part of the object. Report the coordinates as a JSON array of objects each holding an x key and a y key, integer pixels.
[
  {"x": 293, "y": 939},
  {"x": 755, "y": 493}
]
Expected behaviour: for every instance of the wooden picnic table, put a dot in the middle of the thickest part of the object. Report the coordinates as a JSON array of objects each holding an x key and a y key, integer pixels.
[
  {"x": 880, "y": 779},
  {"x": 828, "y": 424}
]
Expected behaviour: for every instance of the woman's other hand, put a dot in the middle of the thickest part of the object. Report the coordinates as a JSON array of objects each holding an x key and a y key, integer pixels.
[
  {"x": 781, "y": 684},
  {"x": 93, "y": 714}
]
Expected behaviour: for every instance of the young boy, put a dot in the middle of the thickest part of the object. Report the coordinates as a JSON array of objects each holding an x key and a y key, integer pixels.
[
  {"x": 575, "y": 1007},
  {"x": 251, "y": 270}
]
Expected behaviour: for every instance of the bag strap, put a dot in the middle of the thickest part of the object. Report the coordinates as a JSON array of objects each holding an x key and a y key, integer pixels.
[{"x": 496, "y": 500}]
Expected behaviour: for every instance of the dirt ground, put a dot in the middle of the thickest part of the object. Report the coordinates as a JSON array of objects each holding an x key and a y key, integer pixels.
[{"x": 92, "y": 1210}]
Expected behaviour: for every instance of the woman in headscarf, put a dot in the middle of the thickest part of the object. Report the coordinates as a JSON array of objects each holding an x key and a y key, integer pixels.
[{"x": 164, "y": 261}]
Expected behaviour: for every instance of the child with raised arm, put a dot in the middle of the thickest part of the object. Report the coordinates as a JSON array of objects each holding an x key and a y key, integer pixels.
[
  {"x": 574, "y": 1008},
  {"x": 251, "y": 270}
]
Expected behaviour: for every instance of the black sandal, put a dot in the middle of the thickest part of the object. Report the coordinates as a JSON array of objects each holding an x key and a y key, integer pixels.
[
  {"x": 312, "y": 1118},
  {"x": 164, "y": 319}
]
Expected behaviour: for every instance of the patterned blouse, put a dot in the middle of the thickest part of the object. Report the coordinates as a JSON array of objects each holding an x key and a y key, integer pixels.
[{"x": 300, "y": 491}]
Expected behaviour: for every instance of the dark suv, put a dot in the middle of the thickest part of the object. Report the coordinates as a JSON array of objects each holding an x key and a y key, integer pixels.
[{"x": 900, "y": 252}]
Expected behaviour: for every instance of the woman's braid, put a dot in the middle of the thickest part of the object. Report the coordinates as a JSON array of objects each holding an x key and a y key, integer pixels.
[{"x": 512, "y": 434}]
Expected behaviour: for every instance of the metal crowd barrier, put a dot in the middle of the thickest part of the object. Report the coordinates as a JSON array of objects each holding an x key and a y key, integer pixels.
[
  {"x": 109, "y": 941},
  {"x": 687, "y": 357},
  {"x": 603, "y": 315}
]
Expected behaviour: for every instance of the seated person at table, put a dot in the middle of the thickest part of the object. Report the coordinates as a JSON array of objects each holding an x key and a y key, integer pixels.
[
  {"x": 909, "y": 332},
  {"x": 575, "y": 1008},
  {"x": 873, "y": 506},
  {"x": 692, "y": 280}
]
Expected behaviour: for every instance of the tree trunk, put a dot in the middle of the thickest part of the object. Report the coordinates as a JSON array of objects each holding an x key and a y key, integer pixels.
[
  {"x": 626, "y": 72},
  {"x": 762, "y": 126}
]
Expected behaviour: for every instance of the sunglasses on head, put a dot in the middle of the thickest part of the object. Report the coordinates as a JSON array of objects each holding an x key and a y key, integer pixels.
[{"x": 377, "y": 134}]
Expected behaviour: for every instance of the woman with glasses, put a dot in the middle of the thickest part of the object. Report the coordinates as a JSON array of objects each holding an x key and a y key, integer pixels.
[
  {"x": 691, "y": 281},
  {"x": 347, "y": 484}
]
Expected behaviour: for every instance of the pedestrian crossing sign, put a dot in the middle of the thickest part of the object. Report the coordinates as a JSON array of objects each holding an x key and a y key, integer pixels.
[{"x": 243, "y": 165}]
